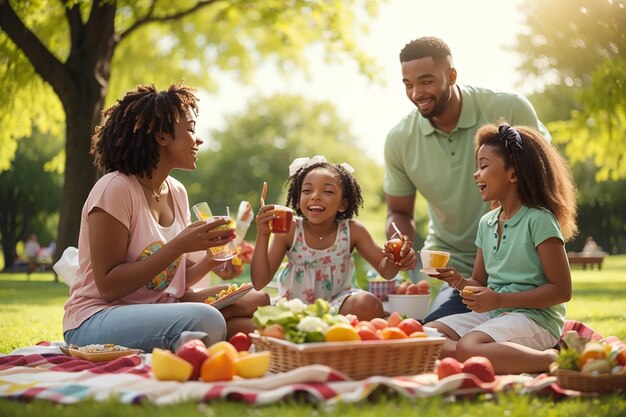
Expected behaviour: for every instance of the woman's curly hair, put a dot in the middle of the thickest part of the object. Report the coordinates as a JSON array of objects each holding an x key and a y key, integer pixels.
[{"x": 127, "y": 140}]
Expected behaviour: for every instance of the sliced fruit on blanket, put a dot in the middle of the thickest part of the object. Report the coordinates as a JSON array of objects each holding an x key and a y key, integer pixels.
[
  {"x": 253, "y": 365},
  {"x": 241, "y": 341},
  {"x": 223, "y": 346},
  {"x": 166, "y": 366},
  {"x": 218, "y": 367},
  {"x": 195, "y": 352}
]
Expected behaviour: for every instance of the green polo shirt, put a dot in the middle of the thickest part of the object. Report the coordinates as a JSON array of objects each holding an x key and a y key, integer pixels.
[
  {"x": 439, "y": 166},
  {"x": 515, "y": 266}
]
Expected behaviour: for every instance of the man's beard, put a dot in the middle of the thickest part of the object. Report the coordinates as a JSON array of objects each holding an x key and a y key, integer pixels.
[{"x": 440, "y": 104}]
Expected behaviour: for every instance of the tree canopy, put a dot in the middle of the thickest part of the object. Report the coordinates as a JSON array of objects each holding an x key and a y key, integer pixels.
[
  {"x": 576, "y": 51},
  {"x": 61, "y": 61}
]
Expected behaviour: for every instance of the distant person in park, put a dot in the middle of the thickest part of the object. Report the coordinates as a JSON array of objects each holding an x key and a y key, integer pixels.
[
  {"x": 136, "y": 239},
  {"x": 320, "y": 241},
  {"x": 590, "y": 245},
  {"x": 31, "y": 251},
  {"x": 521, "y": 278},
  {"x": 431, "y": 151}
]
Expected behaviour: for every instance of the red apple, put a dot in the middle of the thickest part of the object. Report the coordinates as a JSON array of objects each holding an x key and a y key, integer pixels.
[
  {"x": 195, "y": 352},
  {"x": 410, "y": 326},
  {"x": 481, "y": 367},
  {"x": 241, "y": 342},
  {"x": 447, "y": 367}
]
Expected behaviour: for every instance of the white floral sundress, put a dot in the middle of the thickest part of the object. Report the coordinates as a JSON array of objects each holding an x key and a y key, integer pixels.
[{"x": 318, "y": 273}]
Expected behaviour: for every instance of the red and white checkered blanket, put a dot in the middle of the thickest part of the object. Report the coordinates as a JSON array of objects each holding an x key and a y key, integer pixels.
[{"x": 43, "y": 372}]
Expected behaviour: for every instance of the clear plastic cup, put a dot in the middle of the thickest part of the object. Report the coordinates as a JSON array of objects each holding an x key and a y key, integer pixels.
[
  {"x": 217, "y": 253},
  {"x": 432, "y": 259}
]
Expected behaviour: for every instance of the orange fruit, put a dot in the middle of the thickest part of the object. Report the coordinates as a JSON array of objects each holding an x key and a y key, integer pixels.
[
  {"x": 218, "y": 367},
  {"x": 253, "y": 365},
  {"x": 391, "y": 333},
  {"x": 341, "y": 332},
  {"x": 224, "y": 346},
  {"x": 418, "y": 334},
  {"x": 591, "y": 351}
]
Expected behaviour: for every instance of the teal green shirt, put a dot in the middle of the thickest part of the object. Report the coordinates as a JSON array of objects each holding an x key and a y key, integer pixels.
[
  {"x": 515, "y": 266},
  {"x": 439, "y": 166}
]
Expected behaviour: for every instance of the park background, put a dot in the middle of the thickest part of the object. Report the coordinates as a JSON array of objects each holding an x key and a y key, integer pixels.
[{"x": 283, "y": 79}]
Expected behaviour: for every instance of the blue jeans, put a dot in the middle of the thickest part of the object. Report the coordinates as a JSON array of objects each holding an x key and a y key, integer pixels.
[
  {"x": 447, "y": 302},
  {"x": 146, "y": 326}
]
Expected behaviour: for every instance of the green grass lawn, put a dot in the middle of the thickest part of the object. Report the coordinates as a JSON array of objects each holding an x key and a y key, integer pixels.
[{"x": 32, "y": 311}]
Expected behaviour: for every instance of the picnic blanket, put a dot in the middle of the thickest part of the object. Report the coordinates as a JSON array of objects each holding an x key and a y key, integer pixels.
[{"x": 43, "y": 372}]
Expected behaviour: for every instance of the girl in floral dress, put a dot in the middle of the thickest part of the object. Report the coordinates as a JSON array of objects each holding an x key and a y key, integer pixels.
[{"x": 319, "y": 244}]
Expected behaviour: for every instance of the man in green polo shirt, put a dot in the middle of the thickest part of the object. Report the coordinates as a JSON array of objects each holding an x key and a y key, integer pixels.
[{"x": 431, "y": 151}]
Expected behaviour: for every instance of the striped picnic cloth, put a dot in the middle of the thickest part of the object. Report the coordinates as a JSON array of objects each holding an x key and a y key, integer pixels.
[{"x": 45, "y": 373}]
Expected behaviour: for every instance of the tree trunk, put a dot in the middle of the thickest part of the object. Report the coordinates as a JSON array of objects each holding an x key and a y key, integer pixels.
[{"x": 82, "y": 113}]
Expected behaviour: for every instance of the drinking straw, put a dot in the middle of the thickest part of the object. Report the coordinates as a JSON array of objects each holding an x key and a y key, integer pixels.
[
  {"x": 396, "y": 229},
  {"x": 263, "y": 193}
]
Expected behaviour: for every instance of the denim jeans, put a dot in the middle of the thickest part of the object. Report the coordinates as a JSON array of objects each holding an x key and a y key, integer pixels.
[{"x": 146, "y": 326}]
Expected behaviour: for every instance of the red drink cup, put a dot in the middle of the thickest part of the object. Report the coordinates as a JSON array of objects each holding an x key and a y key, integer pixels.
[
  {"x": 282, "y": 222},
  {"x": 396, "y": 246}
]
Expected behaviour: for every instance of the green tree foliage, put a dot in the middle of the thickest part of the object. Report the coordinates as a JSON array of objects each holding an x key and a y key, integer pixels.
[
  {"x": 60, "y": 61},
  {"x": 259, "y": 144},
  {"x": 30, "y": 192},
  {"x": 576, "y": 49}
]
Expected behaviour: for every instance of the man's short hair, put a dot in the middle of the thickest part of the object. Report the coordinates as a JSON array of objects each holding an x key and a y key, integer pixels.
[{"x": 427, "y": 46}]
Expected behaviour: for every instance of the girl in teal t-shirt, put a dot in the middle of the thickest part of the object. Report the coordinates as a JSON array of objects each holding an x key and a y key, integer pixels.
[{"x": 521, "y": 278}]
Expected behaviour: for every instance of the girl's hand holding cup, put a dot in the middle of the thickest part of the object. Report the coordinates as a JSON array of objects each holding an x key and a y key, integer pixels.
[
  {"x": 450, "y": 275},
  {"x": 400, "y": 251}
]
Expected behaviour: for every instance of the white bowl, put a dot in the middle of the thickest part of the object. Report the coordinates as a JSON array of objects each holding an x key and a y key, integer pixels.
[{"x": 412, "y": 305}]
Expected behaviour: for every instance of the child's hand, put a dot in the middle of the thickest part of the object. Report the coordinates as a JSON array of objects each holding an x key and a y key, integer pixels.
[
  {"x": 263, "y": 219},
  {"x": 480, "y": 299},
  {"x": 227, "y": 270},
  {"x": 401, "y": 253},
  {"x": 448, "y": 274},
  {"x": 200, "y": 236}
]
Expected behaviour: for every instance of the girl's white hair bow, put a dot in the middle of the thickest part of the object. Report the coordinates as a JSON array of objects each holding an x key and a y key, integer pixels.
[{"x": 304, "y": 162}]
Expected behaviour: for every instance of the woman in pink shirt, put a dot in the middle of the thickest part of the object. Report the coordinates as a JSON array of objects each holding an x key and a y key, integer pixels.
[{"x": 136, "y": 240}]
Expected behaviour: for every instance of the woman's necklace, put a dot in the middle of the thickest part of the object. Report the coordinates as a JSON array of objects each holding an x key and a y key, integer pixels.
[
  {"x": 321, "y": 237},
  {"x": 156, "y": 194}
]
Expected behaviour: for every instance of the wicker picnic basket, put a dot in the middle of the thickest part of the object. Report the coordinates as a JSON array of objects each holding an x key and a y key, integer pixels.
[
  {"x": 590, "y": 383},
  {"x": 358, "y": 360}
]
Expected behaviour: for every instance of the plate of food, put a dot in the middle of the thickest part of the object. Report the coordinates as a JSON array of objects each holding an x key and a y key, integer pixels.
[
  {"x": 229, "y": 295},
  {"x": 99, "y": 352}
]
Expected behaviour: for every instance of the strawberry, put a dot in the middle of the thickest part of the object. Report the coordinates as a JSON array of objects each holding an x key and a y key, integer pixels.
[
  {"x": 481, "y": 367},
  {"x": 447, "y": 367}
]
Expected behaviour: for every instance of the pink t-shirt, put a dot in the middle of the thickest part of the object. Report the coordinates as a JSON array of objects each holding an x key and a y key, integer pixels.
[{"x": 122, "y": 197}]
